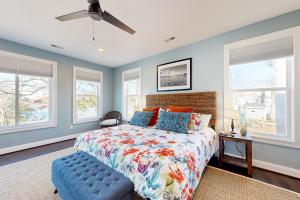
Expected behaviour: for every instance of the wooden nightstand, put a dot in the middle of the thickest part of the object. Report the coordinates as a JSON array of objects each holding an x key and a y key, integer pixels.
[{"x": 245, "y": 163}]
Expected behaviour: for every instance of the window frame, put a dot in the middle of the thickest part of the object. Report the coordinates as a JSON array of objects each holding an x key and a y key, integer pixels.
[
  {"x": 290, "y": 140},
  {"x": 52, "y": 98},
  {"x": 99, "y": 99},
  {"x": 124, "y": 106}
]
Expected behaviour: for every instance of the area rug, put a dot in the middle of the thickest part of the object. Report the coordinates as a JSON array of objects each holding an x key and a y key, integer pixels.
[{"x": 30, "y": 180}]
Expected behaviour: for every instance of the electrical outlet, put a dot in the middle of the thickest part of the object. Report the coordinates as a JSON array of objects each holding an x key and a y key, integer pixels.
[{"x": 71, "y": 126}]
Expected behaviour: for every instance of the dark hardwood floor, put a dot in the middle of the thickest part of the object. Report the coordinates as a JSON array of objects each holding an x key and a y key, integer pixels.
[
  {"x": 34, "y": 152},
  {"x": 273, "y": 178}
]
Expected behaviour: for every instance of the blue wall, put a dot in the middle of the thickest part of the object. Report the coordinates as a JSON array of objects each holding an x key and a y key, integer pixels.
[
  {"x": 208, "y": 76},
  {"x": 64, "y": 96}
]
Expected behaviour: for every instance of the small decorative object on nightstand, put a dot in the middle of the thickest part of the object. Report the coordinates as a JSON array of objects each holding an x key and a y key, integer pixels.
[
  {"x": 243, "y": 131},
  {"x": 245, "y": 163},
  {"x": 243, "y": 122},
  {"x": 232, "y": 126}
]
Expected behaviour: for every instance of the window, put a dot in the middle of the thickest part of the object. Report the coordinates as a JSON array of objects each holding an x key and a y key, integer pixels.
[
  {"x": 131, "y": 92},
  {"x": 259, "y": 86},
  {"x": 27, "y": 93},
  {"x": 87, "y": 99}
]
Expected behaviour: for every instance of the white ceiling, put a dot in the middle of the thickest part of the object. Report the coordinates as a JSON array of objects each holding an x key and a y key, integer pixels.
[{"x": 32, "y": 23}]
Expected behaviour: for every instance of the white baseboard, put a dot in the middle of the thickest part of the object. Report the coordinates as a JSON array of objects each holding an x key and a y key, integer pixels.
[
  {"x": 36, "y": 144},
  {"x": 273, "y": 167},
  {"x": 277, "y": 168}
]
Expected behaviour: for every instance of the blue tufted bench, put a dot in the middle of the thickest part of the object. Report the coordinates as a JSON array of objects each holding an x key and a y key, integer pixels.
[{"x": 80, "y": 176}]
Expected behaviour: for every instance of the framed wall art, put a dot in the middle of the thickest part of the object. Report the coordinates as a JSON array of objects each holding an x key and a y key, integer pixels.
[{"x": 174, "y": 76}]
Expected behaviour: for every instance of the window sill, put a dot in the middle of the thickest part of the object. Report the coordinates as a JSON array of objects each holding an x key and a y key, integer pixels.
[
  {"x": 28, "y": 127},
  {"x": 81, "y": 121},
  {"x": 285, "y": 142}
]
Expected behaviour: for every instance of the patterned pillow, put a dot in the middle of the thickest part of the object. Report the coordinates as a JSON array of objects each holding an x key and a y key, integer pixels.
[
  {"x": 173, "y": 121},
  {"x": 155, "y": 115},
  {"x": 141, "y": 118},
  {"x": 198, "y": 121}
]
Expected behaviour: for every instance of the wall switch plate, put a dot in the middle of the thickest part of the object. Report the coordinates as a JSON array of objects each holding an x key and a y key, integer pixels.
[{"x": 71, "y": 126}]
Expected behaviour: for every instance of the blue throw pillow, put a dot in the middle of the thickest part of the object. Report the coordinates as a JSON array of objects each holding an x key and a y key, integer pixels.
[
  {"x": 141, "y": 118},
  {"x": 173, "y": 121}
]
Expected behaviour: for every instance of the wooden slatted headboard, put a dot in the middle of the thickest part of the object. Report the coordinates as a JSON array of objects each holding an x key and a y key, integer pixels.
[{"x": 201, "y": 102}]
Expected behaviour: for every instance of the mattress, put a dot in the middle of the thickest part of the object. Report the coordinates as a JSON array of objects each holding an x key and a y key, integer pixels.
[{"x": 161, "y": 164}]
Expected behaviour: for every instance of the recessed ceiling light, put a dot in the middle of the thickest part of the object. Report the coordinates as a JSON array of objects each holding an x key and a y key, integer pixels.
[{"x": 100, "y": 49}]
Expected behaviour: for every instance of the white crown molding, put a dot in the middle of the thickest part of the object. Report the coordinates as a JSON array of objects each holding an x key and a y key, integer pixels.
[{"x": 36, "y": 144}]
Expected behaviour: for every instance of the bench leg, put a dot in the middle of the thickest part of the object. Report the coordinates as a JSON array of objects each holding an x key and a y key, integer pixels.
[{"x": 55, "y": 191}]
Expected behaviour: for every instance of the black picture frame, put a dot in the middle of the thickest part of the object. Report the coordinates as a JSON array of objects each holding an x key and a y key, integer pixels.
[{"x": 173, "y": 64}]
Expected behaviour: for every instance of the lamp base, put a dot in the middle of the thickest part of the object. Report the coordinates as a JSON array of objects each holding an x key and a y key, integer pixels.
[{"x": 243, "y": 132}]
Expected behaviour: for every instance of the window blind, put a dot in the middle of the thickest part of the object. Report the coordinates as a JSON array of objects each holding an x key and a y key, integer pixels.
[
  {"x": 9, "y": 64},
  {"x": 25, "y": 66},
  {"x": 35, "y": 68},
  {"x": 278, "y": 48},
  {"x": 88, "y": 75},
  {"x": 131, "y": 75}
]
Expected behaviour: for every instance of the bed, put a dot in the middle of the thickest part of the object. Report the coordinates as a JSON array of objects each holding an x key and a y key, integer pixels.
[{"x": 161, "y": 164}]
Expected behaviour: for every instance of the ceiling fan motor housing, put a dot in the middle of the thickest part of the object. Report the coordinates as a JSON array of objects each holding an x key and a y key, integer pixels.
[{"x": 95, "y": 12}]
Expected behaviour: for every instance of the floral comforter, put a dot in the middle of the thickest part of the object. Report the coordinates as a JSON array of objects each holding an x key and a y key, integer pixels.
[{"x": 161, "y": 164}]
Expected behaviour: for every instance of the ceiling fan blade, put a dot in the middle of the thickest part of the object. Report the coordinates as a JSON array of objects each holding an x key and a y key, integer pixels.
[
  {"x": 74, "y": 15},
  {"x": 114, "y": 21}
]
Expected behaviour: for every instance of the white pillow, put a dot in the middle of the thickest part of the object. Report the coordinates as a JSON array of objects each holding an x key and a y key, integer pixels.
[
  {"x": 198, "y": 121},
  {"x": 108, "y": 122}
]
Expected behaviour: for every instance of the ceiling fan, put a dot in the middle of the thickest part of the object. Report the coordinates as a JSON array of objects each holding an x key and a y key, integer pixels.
[{"x": 96, "y": 13}]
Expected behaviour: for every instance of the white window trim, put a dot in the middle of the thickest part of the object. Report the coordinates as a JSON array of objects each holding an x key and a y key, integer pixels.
[
  {"x": 100, "y": 97},
  {"x": 53, "y": 99},
  {"x": 139, "y": 69},
  {"x": 295, "y": 32}
]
